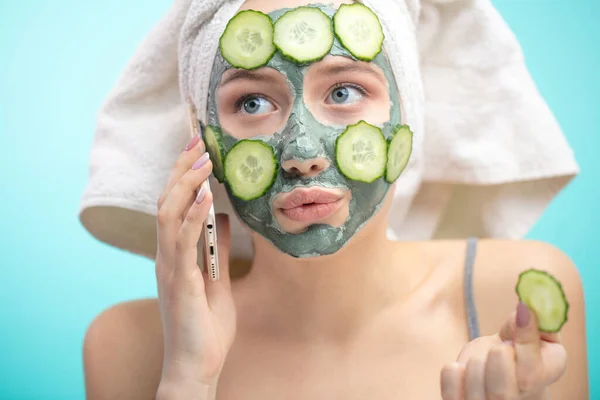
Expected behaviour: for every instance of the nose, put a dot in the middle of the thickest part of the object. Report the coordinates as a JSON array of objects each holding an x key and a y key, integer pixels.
[
  {"x": 305, "y": 168},
  {"x": 303, "y": 153}
]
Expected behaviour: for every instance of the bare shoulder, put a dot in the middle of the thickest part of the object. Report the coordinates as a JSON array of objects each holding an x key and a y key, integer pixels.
[
  {"x": 497, "y": 268},
  {"x": 123, "y": 352}
]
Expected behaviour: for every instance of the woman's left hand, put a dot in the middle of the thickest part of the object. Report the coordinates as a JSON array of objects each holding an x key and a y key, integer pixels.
[{"x": 519, "y": 362}]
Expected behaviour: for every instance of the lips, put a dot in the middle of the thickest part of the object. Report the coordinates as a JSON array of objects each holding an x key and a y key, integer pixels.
[
  {"x": 309, "y": 204},
  {"x": 300, "y": 197}
]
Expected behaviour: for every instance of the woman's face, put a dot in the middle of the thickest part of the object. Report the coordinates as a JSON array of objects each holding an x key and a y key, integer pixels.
[{"x": 312, "y": 209}]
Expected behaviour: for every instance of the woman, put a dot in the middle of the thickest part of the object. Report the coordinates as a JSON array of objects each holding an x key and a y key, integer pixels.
[{"x": 330, "y": 308}]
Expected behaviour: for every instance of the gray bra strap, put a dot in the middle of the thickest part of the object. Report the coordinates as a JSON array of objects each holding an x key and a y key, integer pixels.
[{"x": 472, "y": 320}]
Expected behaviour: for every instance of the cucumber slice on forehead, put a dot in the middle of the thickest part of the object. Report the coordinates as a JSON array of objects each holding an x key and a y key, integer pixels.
[
  {"x": 398, "y": 153},
  {"x": 304, "y": 34},
  {"x": 214, "y": 146},
  {"x": 360, "y": 152},
  {"x": 358, "y": 29},
  {"x": 250, "y": 169},
  {"x": 544, "y": 294},
  {"x": 248, "y": 40}
]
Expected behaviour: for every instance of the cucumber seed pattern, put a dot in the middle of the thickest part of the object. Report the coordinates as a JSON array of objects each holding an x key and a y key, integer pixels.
[
  {"x": 360, "y": 30},
  {"x": 302, "y": 33},
  {"x": 398, "y": 156},
  {"x": 251, "y": 170},
  {"x": 250, "y": 41},
  {"x": 363, "y": 152}
]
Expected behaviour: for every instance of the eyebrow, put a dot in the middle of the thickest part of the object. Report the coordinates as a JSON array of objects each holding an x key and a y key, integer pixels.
[
  {"x": 241, "y": 74},
  {"x": 354, "y": 67}
]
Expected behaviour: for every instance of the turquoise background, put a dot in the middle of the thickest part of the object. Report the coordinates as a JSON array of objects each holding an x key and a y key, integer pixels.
[{"x": 59, "y": 58}]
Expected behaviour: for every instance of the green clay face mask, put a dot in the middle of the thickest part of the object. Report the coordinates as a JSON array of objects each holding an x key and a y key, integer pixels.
[{"x": 302, "y": 137}]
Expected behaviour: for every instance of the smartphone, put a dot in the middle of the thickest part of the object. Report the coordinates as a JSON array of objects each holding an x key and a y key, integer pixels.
[{"x": 211, "y": 253}]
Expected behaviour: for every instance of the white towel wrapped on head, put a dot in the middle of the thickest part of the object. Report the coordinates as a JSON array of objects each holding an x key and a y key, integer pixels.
[{"x": 488, "y": 155}]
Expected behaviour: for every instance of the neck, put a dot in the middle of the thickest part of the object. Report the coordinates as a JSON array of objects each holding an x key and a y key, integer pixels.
[{"x": 331, "y": 297}]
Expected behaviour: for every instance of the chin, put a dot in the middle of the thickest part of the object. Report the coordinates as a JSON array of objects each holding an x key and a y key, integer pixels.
[{"x": 321, "y": 241}]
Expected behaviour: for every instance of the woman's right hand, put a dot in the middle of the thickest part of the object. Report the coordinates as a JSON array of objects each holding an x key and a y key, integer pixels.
[{"x": 198, "y": 315}]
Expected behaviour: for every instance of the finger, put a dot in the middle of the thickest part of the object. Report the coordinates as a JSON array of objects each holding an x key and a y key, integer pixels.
[
  {"x": 182, "y": 165},
  {"x": 548, "y": 363},
  {"x": 500, "y": 373},
  {"x": 184, "y": 191},
  {"x": 452, "y": 381},
  {"x": 527, "y": 345},
  {"x": 189, "y": 234},
  {"x": 554, "y": 361},
  {"x": 509, "y": 329},
  {"x": 474, "y": 379},
  {"x": 171, "y": 214},
  {"x": 477, "y": 347}
]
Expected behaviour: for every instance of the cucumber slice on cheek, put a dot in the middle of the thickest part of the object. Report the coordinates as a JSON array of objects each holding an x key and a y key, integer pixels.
[
  {"x": 360, "y": 152},
  {"x": 248, "y": 40},
  {"x": 304, "y": 35},
  {"x": 212, "y": 139},
  {"x": 250, "y": 169},
  {"x": 399, "y": 150},
  {"x": 544, "y": 294}
]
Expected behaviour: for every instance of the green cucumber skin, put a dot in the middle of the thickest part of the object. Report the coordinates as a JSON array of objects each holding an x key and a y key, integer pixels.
[
  {"x": 219, "y": 175},
  {"x": 337, "y": 156},
  {"x": 564, "y": 297},
  {"x": 389, "y": 143},
  {"x": 291, "y": 57},
  {"x": 276, "y": 170},
  {"x": 339, "y": 38},
  {"x": 225, "y": 30}
]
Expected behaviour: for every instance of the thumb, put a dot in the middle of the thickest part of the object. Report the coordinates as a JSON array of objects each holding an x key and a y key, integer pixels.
[{"x": 522, "y": 330}]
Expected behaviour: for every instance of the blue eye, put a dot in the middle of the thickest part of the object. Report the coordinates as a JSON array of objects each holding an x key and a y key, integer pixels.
[
  {"x": 345, "y": 95},
  {"x": 257, "y": 105},
  {"x": 340, "y": 95}
]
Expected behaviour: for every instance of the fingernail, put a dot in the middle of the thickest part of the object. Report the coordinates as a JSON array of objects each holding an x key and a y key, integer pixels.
[
  {"x": 523, "y": 315},
  {"x": 192, "y": 142},
  {"x": 201, "y": 194},
  {"x": 201, "y": 161}
]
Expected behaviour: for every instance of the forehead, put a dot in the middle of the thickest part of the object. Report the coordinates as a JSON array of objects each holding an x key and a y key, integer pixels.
[
  {"x": 266, "y": 6},
  {"x": 292, "y": 70}
]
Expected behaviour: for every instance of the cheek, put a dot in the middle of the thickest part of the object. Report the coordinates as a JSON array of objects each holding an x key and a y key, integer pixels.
[
  {"x": 379, "y": 111},
  {"x": 241, "y": 126}
]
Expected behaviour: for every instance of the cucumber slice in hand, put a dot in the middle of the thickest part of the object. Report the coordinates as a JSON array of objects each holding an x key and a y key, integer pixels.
[
  {"x": 304, "y": 34},
  {"x": 358, "y": 29},
  {"x": 360, "y": 152},
  {"x": 398, "y": 154},
  {"x": 248, "y": 40},
  {"x": 250, "y": 169},
  {"x": 214, "y": 146},
  {"x": 543, "y": 294}
]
